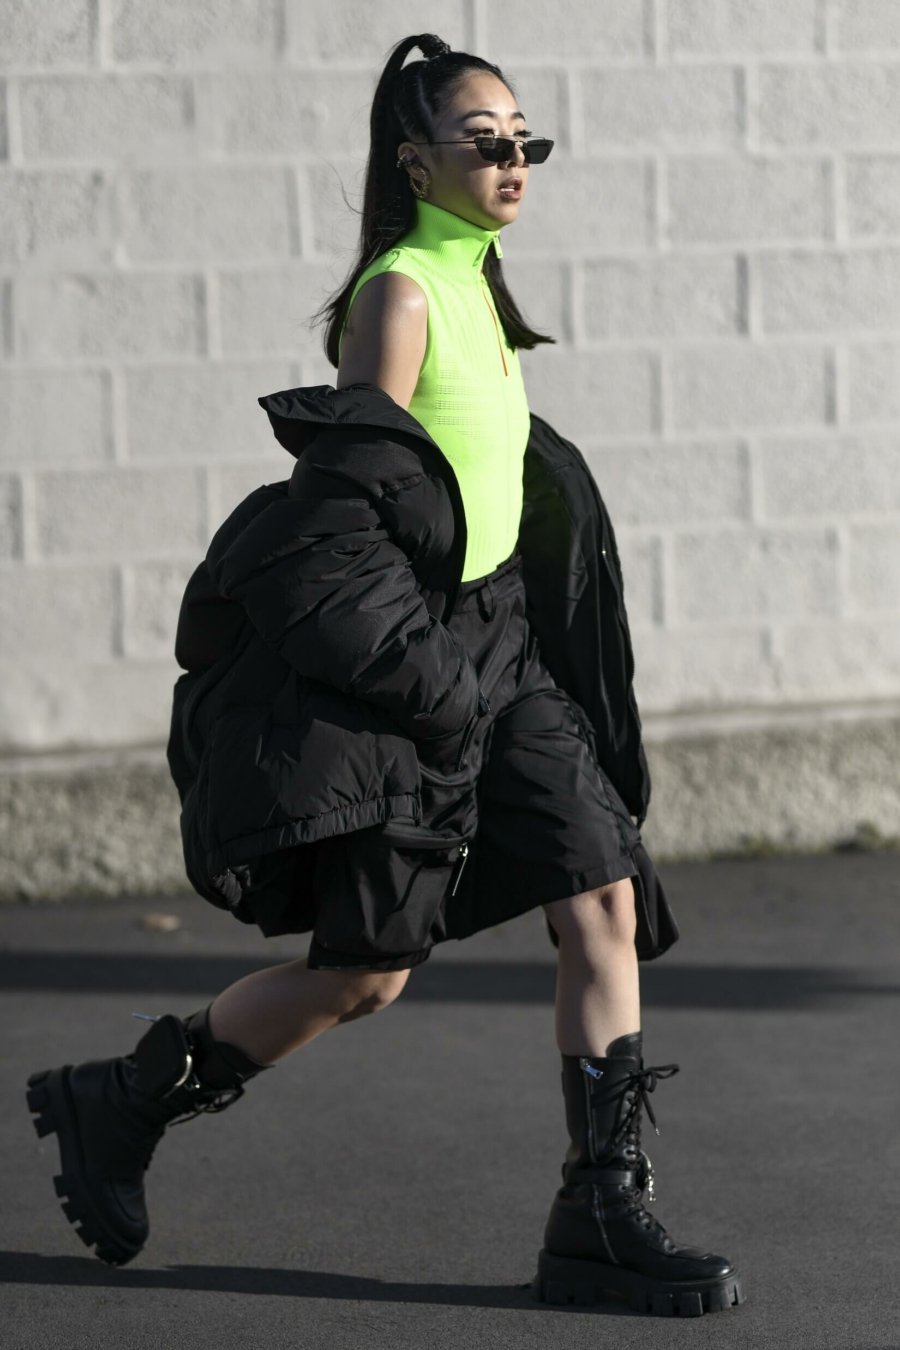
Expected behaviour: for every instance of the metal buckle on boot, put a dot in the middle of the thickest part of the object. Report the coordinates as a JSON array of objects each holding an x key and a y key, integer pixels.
[
  {"x": 163, "y": 1057},
  {"x": 646, "y": 1177}
]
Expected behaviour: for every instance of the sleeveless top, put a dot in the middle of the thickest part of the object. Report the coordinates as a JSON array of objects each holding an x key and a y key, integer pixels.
[{"x": 470, "y": 396}]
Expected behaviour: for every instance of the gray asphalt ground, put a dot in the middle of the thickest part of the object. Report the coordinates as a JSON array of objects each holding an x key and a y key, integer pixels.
[{"x": 388, "y": 1185}]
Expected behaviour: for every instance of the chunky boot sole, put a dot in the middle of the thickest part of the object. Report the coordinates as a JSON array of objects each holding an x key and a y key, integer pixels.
[
  {"x": 563, "y": 1279},
  {"x": 50, "y": 1102}
]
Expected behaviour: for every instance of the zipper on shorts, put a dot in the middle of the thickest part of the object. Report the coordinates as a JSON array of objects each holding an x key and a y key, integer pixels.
[
  {"x": 458, "y": 869},
  {"x": 483, "y": 708},
  {"x": 412, "y": 840}
]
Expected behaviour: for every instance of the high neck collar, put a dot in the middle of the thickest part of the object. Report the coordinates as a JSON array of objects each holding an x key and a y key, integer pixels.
[{"x": 458, "y": 242}]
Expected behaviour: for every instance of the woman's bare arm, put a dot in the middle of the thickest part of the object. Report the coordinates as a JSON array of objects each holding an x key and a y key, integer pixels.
[{"x": 385, "y": 336}]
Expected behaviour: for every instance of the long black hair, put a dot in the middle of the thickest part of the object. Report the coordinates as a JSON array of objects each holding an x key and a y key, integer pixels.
[{"x": 407, "y": 103}]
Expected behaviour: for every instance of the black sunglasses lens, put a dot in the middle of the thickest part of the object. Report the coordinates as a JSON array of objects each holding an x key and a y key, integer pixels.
[
  {"x": 494, "y": 150},
  {"x": 499, "y": 149},
  {"x": 536, "y": 151}
]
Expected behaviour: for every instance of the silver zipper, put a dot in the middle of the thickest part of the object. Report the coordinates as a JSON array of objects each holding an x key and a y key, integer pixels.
[
  {"x": 589, "y": 1115},
  {"x": 460, "y": 864}
]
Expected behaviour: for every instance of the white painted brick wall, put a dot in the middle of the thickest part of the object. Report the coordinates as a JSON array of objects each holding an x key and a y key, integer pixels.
[
  {"x": 704, "y": 27},
  {"x": 715, "y": 243}
]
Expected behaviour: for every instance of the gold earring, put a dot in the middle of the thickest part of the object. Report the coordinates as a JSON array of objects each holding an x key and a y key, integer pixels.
[{"x": 420, "y": 186}]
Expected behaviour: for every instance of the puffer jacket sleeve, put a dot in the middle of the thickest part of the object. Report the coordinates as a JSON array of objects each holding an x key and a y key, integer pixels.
[{"x": 325, "y": 584}]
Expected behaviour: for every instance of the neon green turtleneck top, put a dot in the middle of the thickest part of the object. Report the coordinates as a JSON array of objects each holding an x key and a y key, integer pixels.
[{"x": 470, "y": 396}]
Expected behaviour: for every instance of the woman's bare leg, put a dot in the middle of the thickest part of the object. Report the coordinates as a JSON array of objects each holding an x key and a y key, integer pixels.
[
  {"x": 597, "y": 985},
  {"x": 272, "y": 1012}
]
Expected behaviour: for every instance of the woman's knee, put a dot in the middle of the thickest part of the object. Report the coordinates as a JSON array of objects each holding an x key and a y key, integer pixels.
[
  {"x": 368, "y": 991},
  {"x": 605, "y": 914}
]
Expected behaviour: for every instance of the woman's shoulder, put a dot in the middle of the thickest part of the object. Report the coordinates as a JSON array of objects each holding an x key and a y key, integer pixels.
[
  {"x": 396, "y": 259},
  {"x": 397, "y": 294}
]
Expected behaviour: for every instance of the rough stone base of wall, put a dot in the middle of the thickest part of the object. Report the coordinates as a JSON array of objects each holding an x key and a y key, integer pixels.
[{"x": 107, "y": 825}]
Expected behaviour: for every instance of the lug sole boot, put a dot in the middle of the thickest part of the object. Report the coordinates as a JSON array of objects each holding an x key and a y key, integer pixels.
[
  {"x": 109, "y": 1115},
  {"x": 600, "y": 1242}
]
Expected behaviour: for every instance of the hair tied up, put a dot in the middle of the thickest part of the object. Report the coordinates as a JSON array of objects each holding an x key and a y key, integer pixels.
[
  {"x": 409, "y": 101},
  {"x": 431, "y": 46}
]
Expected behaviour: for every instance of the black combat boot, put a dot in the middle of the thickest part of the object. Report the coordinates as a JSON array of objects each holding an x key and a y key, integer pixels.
[
  {"x": 600, "y": 1243},
  {"x": 110, "y": 1114}
]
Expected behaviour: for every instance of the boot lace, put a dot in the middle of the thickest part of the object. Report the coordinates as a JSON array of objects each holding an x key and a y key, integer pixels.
[
  {"x": 212, "y": 1104},
  {"x": 627, "y": 1145}
]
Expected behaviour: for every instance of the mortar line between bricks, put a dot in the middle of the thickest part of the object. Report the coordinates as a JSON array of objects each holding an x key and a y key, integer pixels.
[
  {"x": 94, "y": 22},
  {"x": 7, "y": 323},
  {"x": 826, "y": 28},
  {"x": 841, "y": 391},
  {"x": 742, "y": 530},
  {"x": 292, "y": 198},
  {"x": 653, "y": 225},
  {"x": 663, "y": 207},
  {"x": 719, "y": 60},
  {"x": 577, "y": 314},
  {"x": 576, "y": 115},
  {"x": 306, "y": 227},
  {"x": 28, "y": 531},
  {"x": 812, "y": 245},
  {"x": 62, "y": 562},
  {"x": 752, "y": 296},
  {"x": 837, "y": 164},
  {"x": 280, "y": 32},
  {"x": 660, "y": 579},
  {"x": 473, "y": 26},
  {"x": 123, "y": 603},
  {"x": 772, "y": 643},
  {"x": 212, "y": 295},
  {"x": 830, "y": 386},
  {"x": 107, "y": 437},
  {"x": 651, "y": 31},
  {"x": 205, "y": 521},
  {"x": 665, "y": 429},
  {"x": 735, "y": 344},
  {"x": 105, "y": 57},
  {"x": 118, "y": 414},
  {"x": 846, "y": 607},
  {"x": 601, "y": 152},
  {"x": 570, "y": 301},
  {"x": 755, "y": 481},
  {"x": 779, "y": 59},
  {"x": 14, "y": 148},
  {"x": 90, "y": 365}
]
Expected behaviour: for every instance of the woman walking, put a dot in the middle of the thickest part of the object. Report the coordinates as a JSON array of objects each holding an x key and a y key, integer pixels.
[{"x": 407, "y": 713}]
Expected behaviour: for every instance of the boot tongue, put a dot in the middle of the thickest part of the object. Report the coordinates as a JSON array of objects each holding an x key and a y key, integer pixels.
[{"x": 626, "y": 1047}]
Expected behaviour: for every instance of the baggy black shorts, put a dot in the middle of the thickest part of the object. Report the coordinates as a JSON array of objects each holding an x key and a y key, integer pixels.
[{"x": 516, "y": 811}]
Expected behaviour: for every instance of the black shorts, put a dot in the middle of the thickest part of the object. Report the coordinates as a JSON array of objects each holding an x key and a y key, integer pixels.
[{"x": 518, "y": 813}]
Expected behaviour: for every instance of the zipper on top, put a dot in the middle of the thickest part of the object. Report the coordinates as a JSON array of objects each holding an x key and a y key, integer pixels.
[{"x": 496, "y": 326}]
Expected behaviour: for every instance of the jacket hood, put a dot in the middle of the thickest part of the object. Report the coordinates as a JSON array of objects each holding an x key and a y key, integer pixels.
[{"x": 299, "y": 415}]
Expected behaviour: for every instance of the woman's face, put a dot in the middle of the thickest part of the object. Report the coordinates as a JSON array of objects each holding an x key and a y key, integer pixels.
[{"x": 461, "y": 181}]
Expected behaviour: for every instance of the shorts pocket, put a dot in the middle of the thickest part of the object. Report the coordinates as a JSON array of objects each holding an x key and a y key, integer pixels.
[{"x": 384, "y": 894}]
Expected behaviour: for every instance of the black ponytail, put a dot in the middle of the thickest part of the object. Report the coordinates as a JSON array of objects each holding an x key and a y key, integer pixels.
[{"x": 408, "y": 101}]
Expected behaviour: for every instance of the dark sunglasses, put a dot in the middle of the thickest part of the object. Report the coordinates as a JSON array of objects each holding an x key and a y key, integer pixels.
[{"x": 498, "y": 149}]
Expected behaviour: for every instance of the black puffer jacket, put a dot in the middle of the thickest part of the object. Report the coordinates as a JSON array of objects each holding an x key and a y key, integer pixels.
[{"x": 317, "y": 660}]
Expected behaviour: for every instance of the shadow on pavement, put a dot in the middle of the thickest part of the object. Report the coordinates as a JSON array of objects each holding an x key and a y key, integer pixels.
[
  {"x": 87, "y": 1272},
  {"x": 682, "y": 986}
]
